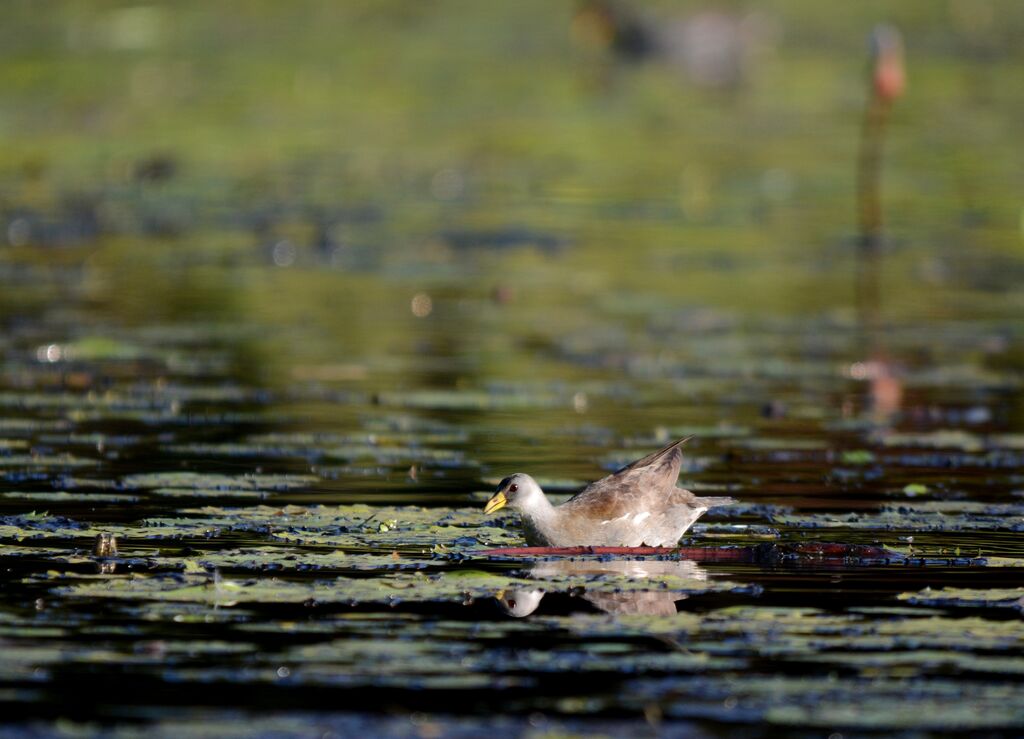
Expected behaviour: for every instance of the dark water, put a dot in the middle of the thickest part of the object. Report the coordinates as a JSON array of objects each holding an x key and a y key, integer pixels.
[{"x": 284, "y": 385}]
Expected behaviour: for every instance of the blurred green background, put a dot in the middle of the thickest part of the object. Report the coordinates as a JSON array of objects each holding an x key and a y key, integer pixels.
[{"x": 314, "y": 165}]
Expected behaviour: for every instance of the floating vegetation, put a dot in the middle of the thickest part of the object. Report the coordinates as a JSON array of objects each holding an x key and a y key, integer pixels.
[
  {"x": 387, "y": 449},
  {"x": 276, "y": 558},
  {"x": 43, "y": 522},
  {"x": 630, "y": 586},
  {"x": 362, "y": 526},
  {"x": 939, "y": 439},
  {"x": 391, "y": 589},
  {"x": 73, "y": 403},
  {"x": 94, "y": 349},
  {"x": 56, "y": 498},
  {"x": 29, "y": 426},
  {"x": 923, "y": 517},
  {"x": 44, "y": 461},
  {"x": 200, "y": 481},
  {"x": 966, "y": 597},
  {"x": 475, "y": 400}
]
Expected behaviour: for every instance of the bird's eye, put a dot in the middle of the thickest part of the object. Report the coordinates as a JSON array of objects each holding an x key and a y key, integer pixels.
[
  {"x": 513, "y": 488},
  {"x": 511, "y": 604}
]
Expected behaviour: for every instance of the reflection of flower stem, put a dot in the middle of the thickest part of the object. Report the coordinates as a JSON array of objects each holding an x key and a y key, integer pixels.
[{"x": 870, "y": 207}]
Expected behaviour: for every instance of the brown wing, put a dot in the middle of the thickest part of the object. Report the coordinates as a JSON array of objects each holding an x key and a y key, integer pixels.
[
  {"x": 653, "y": 456},
  {"x": 643, "y": 485}
]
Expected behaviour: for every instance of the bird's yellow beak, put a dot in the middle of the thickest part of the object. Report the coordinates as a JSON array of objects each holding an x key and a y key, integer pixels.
[{"x": 496, "y": 503}]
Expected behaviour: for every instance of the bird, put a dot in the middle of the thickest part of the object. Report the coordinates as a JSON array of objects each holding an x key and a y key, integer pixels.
[
  {"x": 639, "y": 505},
  {"x": 712, "y": 48}
]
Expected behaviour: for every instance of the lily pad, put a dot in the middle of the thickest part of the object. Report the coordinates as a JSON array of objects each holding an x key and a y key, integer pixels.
[
  {"x": 474, "y": 400},
  {"x": 200, "y": 481},
  {"x": 45, "y": 461},
  {"x": 278, "y": 558},
  {"x": 968, "y": 597},
  {"x": 940, "y": 439},
  {"x": 66, "y": 497}
]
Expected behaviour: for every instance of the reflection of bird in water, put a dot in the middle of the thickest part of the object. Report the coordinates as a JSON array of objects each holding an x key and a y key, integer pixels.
[
  {"x": 638, "y": 505},
  {"x": 713, "y": 49},
  {"x": 522, "y": 602},
  {"x": 519, "y": 602}
]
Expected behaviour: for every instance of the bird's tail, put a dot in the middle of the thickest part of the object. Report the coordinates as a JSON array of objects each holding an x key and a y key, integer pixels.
[{"x": 715, "y": 502}]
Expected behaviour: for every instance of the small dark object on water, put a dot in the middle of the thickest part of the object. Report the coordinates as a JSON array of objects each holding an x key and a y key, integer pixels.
[
  {"x": 503, "y": 294},
  {"x": 713, "y": 49},
  {"x": 606, "y": 24},
  {"x": 510, "y": 237},
  {"x": 155, "y": 168},
  {"x": 106, "y": 545},
  {"x": 774, "y": 409}
]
